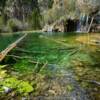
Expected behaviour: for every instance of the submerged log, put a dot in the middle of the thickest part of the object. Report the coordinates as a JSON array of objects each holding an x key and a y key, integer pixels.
[
  {"x": 10, "y": 47},
  {"x": 18, "y": 57},
  {"x": 29, "y": 59},
  {"x": 27, "y": 51},
  {"x": 58, "y": 42},
  {"x": 95, "y": 82},
  {"x": 36, "y": 62}
]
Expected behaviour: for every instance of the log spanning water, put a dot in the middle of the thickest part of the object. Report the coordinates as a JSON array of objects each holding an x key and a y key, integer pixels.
[{"x": 10, "y": 47}]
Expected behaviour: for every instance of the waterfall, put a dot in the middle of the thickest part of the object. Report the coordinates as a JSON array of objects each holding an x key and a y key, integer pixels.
[
  {"x": 82, "y": 25},
  {"x": 50, "y": 28}
]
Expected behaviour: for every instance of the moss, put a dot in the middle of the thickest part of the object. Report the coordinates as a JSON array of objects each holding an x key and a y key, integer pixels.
[
  {"x": 24, "y": 88},
  {"x": 19, "y": 86},
  {"x": 3, "y": 71},
  {"x": 23, "y": 66},
  {"x": 69, "y": 88}
]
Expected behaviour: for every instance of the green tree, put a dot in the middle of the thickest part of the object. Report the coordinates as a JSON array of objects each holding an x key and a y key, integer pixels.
[{"x": 35, "y": 19}]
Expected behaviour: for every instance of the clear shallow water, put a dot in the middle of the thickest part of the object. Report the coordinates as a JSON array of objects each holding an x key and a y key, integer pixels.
[{"x": 72, "y": 68}]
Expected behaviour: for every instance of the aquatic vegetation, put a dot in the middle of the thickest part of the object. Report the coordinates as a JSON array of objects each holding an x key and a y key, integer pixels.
[
  {"x": 24, "y": 66},
  {"x": 50, "y": 66},
  {"x": 69, "y": 87},
  {"x": 18, "y": 86}
]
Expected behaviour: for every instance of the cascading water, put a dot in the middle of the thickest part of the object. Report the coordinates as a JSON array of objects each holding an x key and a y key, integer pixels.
[{"x": 82, "y": 25}]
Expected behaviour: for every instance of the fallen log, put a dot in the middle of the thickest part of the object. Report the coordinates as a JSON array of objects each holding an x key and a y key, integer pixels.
[
  {"x": 58, "y": 42},
  {"x": 27, "y": 51},
  {"x": 10, "y": 47}
]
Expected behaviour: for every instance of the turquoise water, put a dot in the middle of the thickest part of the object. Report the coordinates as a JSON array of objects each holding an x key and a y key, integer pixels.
[
  {"x": 5, "y": 40},
  {"x": 58, "y": 64}
]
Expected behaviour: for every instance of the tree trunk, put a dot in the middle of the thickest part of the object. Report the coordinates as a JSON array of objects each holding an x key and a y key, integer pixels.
[
  {"x": 87, "y": 19},
  {"x": 90, "y": 25}
]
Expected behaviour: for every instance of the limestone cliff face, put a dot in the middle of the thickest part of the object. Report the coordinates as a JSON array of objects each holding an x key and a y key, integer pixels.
[
  {"x": 45, "y": 5},
  {"x": 20, "y": 9},
  {"x": 88, "y": 6},
  {"x": 60, "y": 3},
  {"x": 54, "y": 9},
  {"x": 57, "y": 15}
]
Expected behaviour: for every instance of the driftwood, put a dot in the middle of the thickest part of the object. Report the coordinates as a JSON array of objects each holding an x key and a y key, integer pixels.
[
  {"x": 10, "y": 47},
  {"x": 90, "y": 25}
]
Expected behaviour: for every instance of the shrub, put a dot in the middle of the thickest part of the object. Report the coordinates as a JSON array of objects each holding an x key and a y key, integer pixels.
[
  {"x": 1, "y": 23},
  {"x": 14, "y": 25},
  {"x": 34, "y": 19}
]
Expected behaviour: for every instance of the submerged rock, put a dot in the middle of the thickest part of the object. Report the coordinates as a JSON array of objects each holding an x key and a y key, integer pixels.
[{"x": 7, "y": 89}]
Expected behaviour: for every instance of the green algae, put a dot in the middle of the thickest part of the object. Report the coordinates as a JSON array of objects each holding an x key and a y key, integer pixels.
[{"x": 82, "y": 60}]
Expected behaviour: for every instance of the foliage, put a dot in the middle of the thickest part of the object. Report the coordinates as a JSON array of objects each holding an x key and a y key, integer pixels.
[
  {"x": 1, "y": 23},
  {"x": 2, "y": 5},
  {"x": 44, "y": 5},
  {"x": 35, "y": 19},
  {"x": 23, "y": 66},
  {"x": 10, "y": 82},
  {"x": 14, "y": 25},
  {"x": 50, "y": 3}
]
